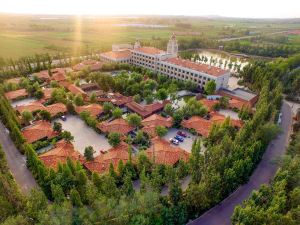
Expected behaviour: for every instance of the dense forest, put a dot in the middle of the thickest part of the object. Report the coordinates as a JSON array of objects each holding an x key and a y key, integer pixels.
[{"x": 278, "y": 203}]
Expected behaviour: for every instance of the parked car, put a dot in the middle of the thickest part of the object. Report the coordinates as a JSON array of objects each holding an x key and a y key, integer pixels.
[
  {"x": 181, "y": 133},
  {"x": 63, "y": 118},
  {"x": 174, "y": 141},
  {"x": 179, "y": 138},
  {"x": 103, "y": 152}
]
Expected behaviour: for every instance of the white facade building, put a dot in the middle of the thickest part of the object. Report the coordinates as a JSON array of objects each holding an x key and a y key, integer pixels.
[{"x": 168, "y": 64}]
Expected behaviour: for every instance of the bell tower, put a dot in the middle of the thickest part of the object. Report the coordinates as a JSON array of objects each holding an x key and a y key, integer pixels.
[
  {"x": 137, "y": 44},
  {"x": 172, "y": 47}
]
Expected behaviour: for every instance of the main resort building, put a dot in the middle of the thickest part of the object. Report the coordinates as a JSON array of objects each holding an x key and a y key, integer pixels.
[{"x": 167, "y": 63}]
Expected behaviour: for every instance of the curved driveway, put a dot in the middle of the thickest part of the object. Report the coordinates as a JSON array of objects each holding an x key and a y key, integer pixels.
[
  {"x": 265, "y": 171},
  {"x": 16, "y": 162}
]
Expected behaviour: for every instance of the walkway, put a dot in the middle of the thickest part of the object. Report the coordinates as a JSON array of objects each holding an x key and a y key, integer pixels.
[{"x": 16, "y": 162}]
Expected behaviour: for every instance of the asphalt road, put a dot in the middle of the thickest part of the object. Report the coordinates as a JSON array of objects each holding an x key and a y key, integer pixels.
[
  {"x": 265, "y": 171},
  {"x": 16, "y": 162}
]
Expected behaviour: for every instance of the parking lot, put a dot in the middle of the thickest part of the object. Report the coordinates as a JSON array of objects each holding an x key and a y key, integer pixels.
[
  {"x": 84, "y": 135},
  {"x": 188, "y": 141}
]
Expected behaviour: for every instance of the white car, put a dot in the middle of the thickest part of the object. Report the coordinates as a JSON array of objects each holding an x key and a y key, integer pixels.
[{"x": 174, "y": 141}]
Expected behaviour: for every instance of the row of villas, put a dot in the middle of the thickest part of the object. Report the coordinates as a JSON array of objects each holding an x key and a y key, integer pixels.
[{"x": 167, "y": 63}]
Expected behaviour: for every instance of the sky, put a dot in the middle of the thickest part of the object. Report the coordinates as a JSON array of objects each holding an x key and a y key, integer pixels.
[{"x": 227, "y": 8}]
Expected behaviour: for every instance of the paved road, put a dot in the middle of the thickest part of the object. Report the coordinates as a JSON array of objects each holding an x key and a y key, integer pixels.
[
  {"x": 265, "y": 171},
  {"x": 16, "y": 162}
]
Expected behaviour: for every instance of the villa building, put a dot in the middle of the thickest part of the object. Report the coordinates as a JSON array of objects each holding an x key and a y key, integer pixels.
[
  {"x": 40, "y": 130},
  {"x": 94, "y": 110},
  {"x": 102, "y": 162},
  {"x": 162, "y": 152},
  {"x": 18, "y": 94},
  {"x": 60, "y": 154},
  {"x": 151, "y": 122},
  {"x": 167, "y": 63},
  {"x": 118, "y": 125}
]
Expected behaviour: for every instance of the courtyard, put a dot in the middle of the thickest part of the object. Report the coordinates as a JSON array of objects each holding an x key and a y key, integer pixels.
[
  {"x": 188, "y": 141},
  {"x": 84, "y": 135}
]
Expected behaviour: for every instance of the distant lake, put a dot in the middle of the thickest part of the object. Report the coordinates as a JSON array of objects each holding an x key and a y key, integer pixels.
[{"x": 140, "y": 25}]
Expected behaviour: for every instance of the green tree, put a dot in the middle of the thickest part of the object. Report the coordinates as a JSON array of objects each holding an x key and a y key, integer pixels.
[
  {"x": 195, "y": 160},
  {"x": 93, "y": 98},
  {"x": 75, "y": 198},
  {"x": 162, "y": 94},
  {"x": 78, "y": 100},
  {"x": 210, "y": 87},
  {"x": 27, "y": 116},
  {"x": 89, "y": 153},
  {"x": 137, "y": 98},
  {"x": 169, "y": 109},
  {"x": 161, "y": 131},
  {"x": 45, "y": 115},
  {"x": 117, "y": 112},
  {"x": 67, "y": 136},
  {"x": 114, "y": 139},
  {"x": 36, "y": 204},
  {"x": 57, "y": 193},
  {"x": 57, "y": 127},
  {"x": 107, "y": 107},
  {"x": 39, "y": 94},
  {"x": 134, "y": 119}
]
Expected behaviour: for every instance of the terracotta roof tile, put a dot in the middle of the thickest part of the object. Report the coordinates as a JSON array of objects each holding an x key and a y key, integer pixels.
[
  {"x": 102, "y": 162},
  {"x": 145, "y": 110},
  {"x": 62, "y": 151},
  {"x": 42, "y": 75},
  {"x": 151, "y": 122},
  {"x": 16, "y": 94},
  {"x": 47, "y": 93},
  {"x": 200, "y": 125},
  {"x": 203, "y": 68},
  {"x": 124, "y": 54},
  {"x": 75, "y": 90},
  {"x": 92, "y": 64},
  {"x": 118, "y": 125},
  {"x": 162, "y": 152},
  {"x": 39, "y": 130},
  {"x": 150, "y": 50},
  {"x": 56, "y": 108},
  {"x": 31, "y": 107},
  {"x": 93, "y": 109},
  {"x": 209, "y": 103}
]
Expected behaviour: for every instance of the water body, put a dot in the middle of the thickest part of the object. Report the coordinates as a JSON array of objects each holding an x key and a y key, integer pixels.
[{"x": 224, "y": 56}]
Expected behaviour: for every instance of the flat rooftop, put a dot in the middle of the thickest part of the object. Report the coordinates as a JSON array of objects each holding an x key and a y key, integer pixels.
[{"x": 241, "y": 93}]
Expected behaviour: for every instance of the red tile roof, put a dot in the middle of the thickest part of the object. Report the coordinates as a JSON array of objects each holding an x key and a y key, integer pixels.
[
  {"x": 238, "y": 104},
  {"x": 149, "y": 50},
  {"x": 16, "y": 94},
  {"x": 209, "y": 103},
  {"x": 39, "y": 130},
  {"x": 118, "y": 99},
  {"x": 31, "y": 107},
  {"x": 58, "y": 74},
  {"x": 62, "y": 151},
  {"x": 92, "y": 64},
  {"x": 42, "y": 75},
  {"x": 200, "y": 125},
  {"x": 75, "y": 90},
  {"x": 64, "y": 83},
  {"x": 93, "y": 109},
  {"x": 203, "y": 68},
  {"x": 56, "y": 108},
  {"x": 203, "y": 126},
  {"x": 162, "y": 152},
  {"x": 47, "y": 93},
  {"x": 118, "y": 125},
  {"x": 102, "y": 162},
  {"x": 117, "y": 54},
  {"x": 151, "y": 122},
  {"x": 145, "y": 110}
]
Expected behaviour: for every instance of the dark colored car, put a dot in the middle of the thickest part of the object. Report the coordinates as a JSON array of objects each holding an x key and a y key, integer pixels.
[
  {"x": 179, "y": 138},
  {"x": 181, "y": 133},
  {"x": 63, "y": 118}
]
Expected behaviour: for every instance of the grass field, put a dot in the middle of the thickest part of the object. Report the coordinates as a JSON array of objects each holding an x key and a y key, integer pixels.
[{"x": 28, "y": 35}]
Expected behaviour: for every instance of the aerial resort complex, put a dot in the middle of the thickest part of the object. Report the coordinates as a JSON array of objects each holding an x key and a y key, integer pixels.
[{"x": 148, "y": 120}]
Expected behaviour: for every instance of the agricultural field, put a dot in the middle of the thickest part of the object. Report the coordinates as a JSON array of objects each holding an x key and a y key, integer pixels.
[{"x": 22, "y": 35}]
